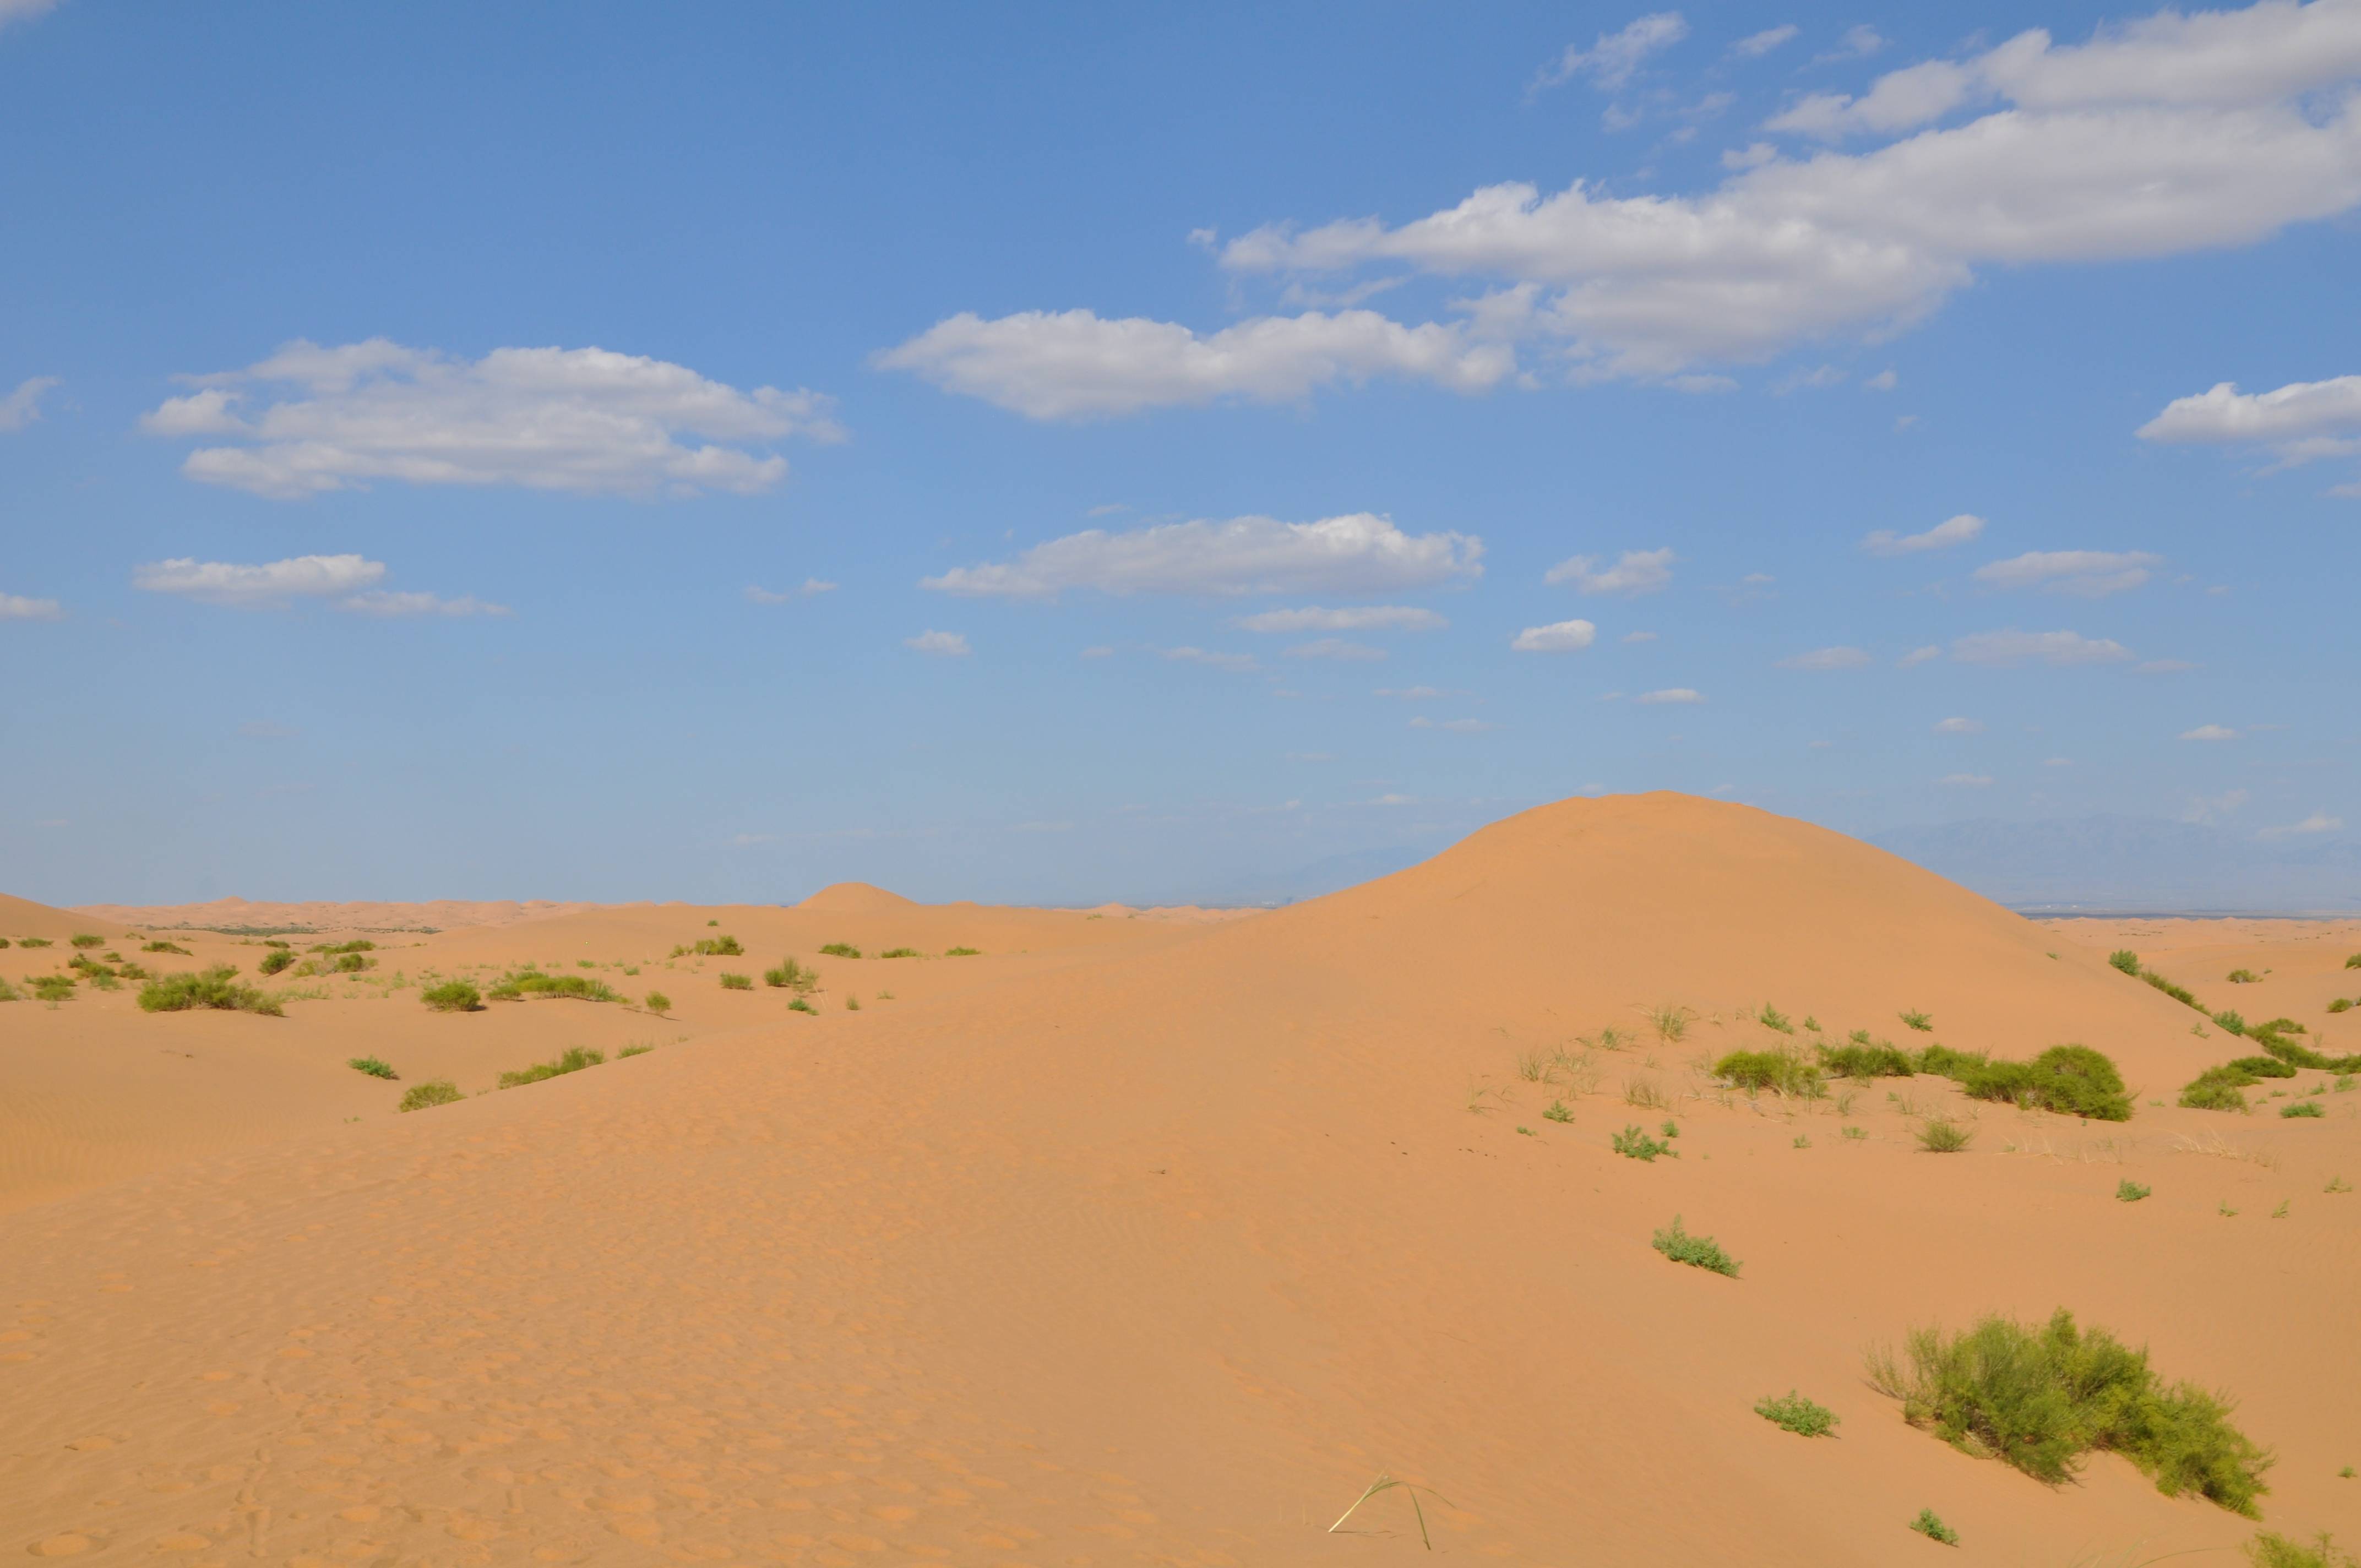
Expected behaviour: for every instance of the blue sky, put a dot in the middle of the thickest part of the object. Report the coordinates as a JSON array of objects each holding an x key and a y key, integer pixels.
[{"x": 1014, "y": 454}]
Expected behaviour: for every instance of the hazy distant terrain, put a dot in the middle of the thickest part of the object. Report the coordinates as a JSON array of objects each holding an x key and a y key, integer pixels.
[{"x": 2135, "y": 864}]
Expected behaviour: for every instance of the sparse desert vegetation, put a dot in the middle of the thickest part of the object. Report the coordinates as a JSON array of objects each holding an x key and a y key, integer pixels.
[
  {"x": 573, "y": 1060},
  {"x": 453, "y": 996},
  {"x": 791, "y": 976},
  {"x": 373, "y": 1065},
  {"x": 839, "y": 950},
  {"x": 901, "y": 953},
  {"x": 1698, "y": 1252},
  {"x": 276, "y": 961},
  {"x": 737, "y": 982},
  {"x": 1792, "y": 1412},
  {"x": 533, "y": 982},
  {"x": 436, "y": 1091},
  {"x": 658, "y": 1003},
  {"x": 1932, "y": 1527},
  {"x": 211, "y": 988},
  {"x": 1634, "y": 1143},
  {"x": 1943, "y": 1135}
]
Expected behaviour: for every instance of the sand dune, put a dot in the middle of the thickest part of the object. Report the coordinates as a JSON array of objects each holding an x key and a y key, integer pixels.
[{"x": 1151, "y": 1241}]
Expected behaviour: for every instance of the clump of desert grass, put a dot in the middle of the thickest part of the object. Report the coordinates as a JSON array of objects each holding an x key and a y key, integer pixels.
[
  {"x": 1793, "y": 1412},
  {"x": 635, "y": 1050},
  {"x": 54, "y": 988},
  {"x": 1698, "y": 1252},
  {"x": 213, "y": 988},
  {"x": 163, "y": 947},
  {"x": 901, "y": 953},
  {"x": 2072, "y": 1079},
  {"x": 435, "y": 1091},
  {"x": 336, "y": 949},
  {"x": 574, "y": 1059},
  {"x": 276, "y": 960},
  {"x": 839, "y": 950},
  {"x": 1943, "y": 1135},
  {"x": 1634, "y": 1143},
  {"x": 1783, "y": 1070},
  {"x": 789, "y": 975},
  {"x": 2040, "y": 1396},
  {"x": 2129, "y": 1191},
  {"x": 963, "y": 952},
  {"x": 802, "y": 1005},
  {"x": 1772, "y": 1018},
  {"x": 1930, "y": 1525},
  {"x": 532, "y": 982},
  {"x": 1862, "y": 1058},
  {"x": 38, "y": 942},
  {"x": 737, "y": 982},
  {"x": 658, "y": 1003},
  {"x": 722, "y": 946},
  {"x": 376, "y": 1067},
  {"x": 84, "y": 939},
  {"x": 2270, "y": 1550},
  {"x": 453, "y": 996}
]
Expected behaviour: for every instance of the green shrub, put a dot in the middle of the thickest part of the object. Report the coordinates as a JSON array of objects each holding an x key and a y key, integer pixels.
[
  {"x": 2263, "y": 1067},
  {"x": 1934, "y": 1529},
  {"x": 2296, "y": 1055},
  {"x": 2074, "y": 1080},
  {"x": 1942, "y": 1135},
  {"x": 165, "y": 948},
  {"x": 358, "y": 946},
  {"x": 352, "y": 963},
  {"x": 2228, "y": 1019},
  {"x": 575, "y": 1059},
  {"x": 84, "y": 939},
  {"x": 633, "y": 1051},
  {"x": 852, "y": 1002},
  {"x": 901, "y": 953},
  {"x": 963, "y": 952},
  {"x": 574, "y": 987},
  {"x": 1698, "y": 1252},
  {"x": 38, "y": 942},
  {"x": 2038, "y": 1397},
  {"x": 2124, "y": 959},
  {"x": 802, "y": 1005},
  {"x": 274, "y": 960},
  {"x": 1772, "y": 1018},
  {"x": 2302, "y": 1108},
  {"x": 2180, "y": 993},
  {"x": 439, "y": 1091},
  {"x": 372, "y": 1066},
  {"x": 2244, "y": 977},
  {"x": 3, "y": 942},
  {"x": 8, "y": 992},
  {"x": 1755, "y": 1072},
  {"x": 791, "y": 976},
  {"x": 2129, "y": 1191},
  {"x": 1557, "y": 1111},
  {"x": 1923, "y": 1023},
  {"x": 2268, "y": 1550},
  {"x": 723, "y": 947},
  {"x": 737, "y": 982},
  {"x": 1796, "y": 1414},
  {"x": 2216, "y": 1089},
  {"x": 2340, "y": 1005},
  {"x": 658, "y": 1003},
  {"x": 1863, "y": 1060},
  {"x": 452, "y": 996},
  {"x": 2353, "y": 963},
  {"x": 214, "y": 988},
  {"x": 1635, "y": 1143},
  {"x": 54, "y": 987},
  {"x": 841, "y": 950}
]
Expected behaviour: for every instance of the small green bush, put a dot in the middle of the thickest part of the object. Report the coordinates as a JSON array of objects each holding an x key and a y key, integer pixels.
[
  {"x": 1557, "y": 1111},
  {"x": 2302, "y": 1108},
  {"x": 1755, "y": 1072},
  {"x": 452, "y": 996},
  {"x": 573, "y": 1060},
  {"x": 8, "y": 992},
  {"x": 901, "y": 953},
  {"x": 2268, "y": 1550},
  {"x": 1861, "y": 1060},
  {"x": 1934, "y": 1529},
  {"x": 372, "y": 1066},
  {"x": 2180, "y": 993},
  {"x": 84, "y": 939},
  {"x": 274, "y": 960},
  {"x": 2038, "y": 1397},
  {"x": 791, "y": 976},
  {"x": 2342, "y": 1004},
  {"x": 353, "y": 963},
  {"x": 2072, "y": 1079},
  {"x": 633, "y": 1051},
  {"x": 1772, "y": 1018},
  {"x": 2354, "y": 962},
  {"x": 2243, "y": 977},
  {"x": 1796, "y": 1414},
  {"x": 1635, "y": 1143},
  {"x": 2228, "y": 1019},
  {"x": 3, "y": 942},
  {"x": 841, "y": 950},
  {"x": 723, "y": 947},
  {"x": 1698, "y": 1252},
  {"x": 54, "y": 987},
  {"x": 213, "y": 988},
  {"x": 359, "y": 946},
  {"x": 852, "y": 1002},
  {"x": 1923, "y": 1023},
  {"x": 658, "y": 1003},
  {"x": 574, "y": 987},
  {"x": 438, "y": 1091},
  {"x": 963, "y": 952},
  {"x": 165, "y": 948},
  {"x": 38, "y": 942},
  {"x": 2129, "y": 1191},
  {"x": 1942, "y": 1135},
  {"x": 2124, "y": 959},
  {"x": 737, "y": 982},
  {"x": 802, "y": 1005}
]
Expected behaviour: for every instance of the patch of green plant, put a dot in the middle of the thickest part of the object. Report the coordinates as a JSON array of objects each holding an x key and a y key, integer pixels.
[
  {"x": 1864, "y": 1060},
  {"x": 2268, "y": 1550},
  {"x": 963, "y": 952},
  {"x": 2342, "y": 1004},
  {"x": 2337, "y": 1184},
  {"x": 2302, "y": 1108},
  {"x": 574, "y": 1059},
  {"x": 901, "y": 953},
  {"x": 84, "y": 939},
  {"x": 1803, "y": 1141},
  {"x": 1670, "y": 1020},
  {"x": 2040, "y": 1396},
  {"x": 353, "y": 963},
  {"x": 2354, "y": 962},
  {"x": 2180, "y": 993},
  {"x": 2129, "y": 1191},
  {"x": 32, "y": 942},
  {"x": 2125, "y": 959},
  {"x": 1755, "y": 1072},
  {"x": 737, "y": 982},
  {"x": 1854, "y": 1135},
  {"x": 1793, "y": 1412},
  {"x": 358, "y": 946},
  {"x": 8, "y": 992},
  {"x": 2243, "y": 977},
  {"x": 2217, "y": 1088},
  {"x": 2263, "y": 1067},
  {"x": 436, "y": 1091},
  {"x": 1943, "y": 1135},
  {"x": 1923, "y": 1023},
  {"x": 2228, "y": 1018},
  {"x": 2272, "y": 1038},
  {"x": 373, "y": 1065},
  {"x": 839, "y": 950},
  {"x": 802, "y": 1005},
  {"x": 1772, "y": 1018},
  {"x": 1557, "y": 1111},
  {"x": 1934, "y": 1529},
  {"x": 2072, "y": 1079},
  {"x": 452, "y": 996},
  {"x": 160, "y": 947},
  {"x": 573, "y": 987},
  {"x": 274, "y": 960},
  {"x": 214, "y": 988},
  {"x": 852, "y": 1002},
  {"x": 1698, "y": 1252},
  {"x": 1635, "y": 1143},
  {"x": 791, "y": 976},
  {"x": 658, "y": 1003}
]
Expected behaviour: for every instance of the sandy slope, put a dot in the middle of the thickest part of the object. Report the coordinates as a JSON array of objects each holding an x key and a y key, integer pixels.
[{"x": 1153, "y": 1243}]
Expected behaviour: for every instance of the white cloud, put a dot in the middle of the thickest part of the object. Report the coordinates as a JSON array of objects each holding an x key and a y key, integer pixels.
[
  {"x": 811, "y": 585},
  {"x": 16, "y": 607},
  {"x": 1236, "y": 664},
  {"x": 1364, "y": 617},
  {"x": 1611, "y": 62},
  {"x": 1763, "y": 42},
  {"x": 388, "y": 605},
  {"x": 1827, "y": 659},
  {"x": 950, "y": 645},
  {"x": 1634, "y": 572},
  {"x": 2209, "y": 732},
  {"x": 1959, "y": 727},
  {"x": 1822, "y": 375},
  {"x": 1670, "y": 693},
  {"x": 2318, "y": 822},
  {"x": 1335, "y": 648},
  {"x": 2086, "y": 573},
  {"x": 2015, "y": 647},
  {"x": 1884, "y": 381},
  {"x": 1078, "y": 365},
  {"x": 24, "y": 10},
  {"x": 1455, "y": 726},
  {"x": 1966, "y": 781},
  {"x": 1919, "y": 655},
  {"x": 1357, "y": 554},
  {"x": 23, "y": 406},
  {"x": 2205, "y": 809},
  {"x": 1639, "y": 637},
  {"x": 2298, "y": 422},
  {"x": 1558, "y": 637},
  {"x": 1951, "y": 531},
  {"x": 1859, "y": 43},
  {"x": 260, "y": 587},
  {"x": 311, "y": 419}
]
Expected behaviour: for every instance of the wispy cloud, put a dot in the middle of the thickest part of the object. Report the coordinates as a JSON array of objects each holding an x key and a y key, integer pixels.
[
  {"x": 1944, "y": 535},
  {"x": 388, "y": 605},
  {"x": 948, "y": 644},
  {"x": 1762, "y": 43},
  {"x": 2009, "y": 647},
  {"x": 1558, "y": 637},
  {"x": 1360, "y": 552},
  {"x": 1335, "y": 648},
  {"x": 16, "y": 607},
  {"x": 1671, "y": 694},
  {"x": 2085, "y": 574},
  {"x": 2210, "y": 732},
  {"x": 1959, "y": 727},
  {"x": 1238, "y": 664},
  {"x": 759, "y": 594},
  {"x": 266, "y": 586},
  {"x": 1363, "y": 618},
  {"x": 1634, "y": 572},
  {"x": 23, "y": 406},
  {"x": 1828, "y": 659},
  {"x": 2318, "y": 822},
  {"x": 1609, "y": 61}
]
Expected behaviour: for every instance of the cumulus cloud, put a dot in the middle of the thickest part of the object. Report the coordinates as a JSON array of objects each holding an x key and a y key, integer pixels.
[
  {"x": 1611, "y": 62},
  {"x": 2298, "y": 422},
  {"x": 1959, "y": 727},
  {"x": 2209, "y": 732},
  {"x": 1070, "y": 365},
  {"x": 312, "y": 418},
  {"x": 24, "y": 10},
  {"x": 949, "y": 644},
  {"x": 1952, "y": 530},
  {"x": 1236, "y": 664},
  {"x": 23, "y": 406},
  {"x": 811, "y": 585},
  {"x": 16, "y": 607},
  {"x": 1827, "y": 659},
  {"x": 2318, "y": 822},
  {"x": 266, "y": 585},
  {"x": 1335, "y": 648},
  {"x": 388, "y": 605},
  {"x": 1558, "y": 637},
  {"x": 2015, "y": 647},
  {"x": 1634, "y": 572},
  {"x": 1921, "y": 656},
  {"x": 1363, "y": 618},
  {"x": 1357, "y": 554},
  {"x": 1671, "y": 694},
  {"x": 2086, "y": 573},
  {"x": 1763, "y": 42},
  {"x": 1884, "y": 381}
]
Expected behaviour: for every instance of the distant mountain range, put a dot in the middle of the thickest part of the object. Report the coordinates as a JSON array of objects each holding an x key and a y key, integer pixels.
[{"x": 2136, "y": 865}]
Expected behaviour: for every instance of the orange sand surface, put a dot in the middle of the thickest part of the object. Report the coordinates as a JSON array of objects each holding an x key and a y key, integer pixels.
[{"x": 1152, "y": 1241}]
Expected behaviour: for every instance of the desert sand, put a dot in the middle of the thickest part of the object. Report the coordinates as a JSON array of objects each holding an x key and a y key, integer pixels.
[{"x": 1140, "y": 1240}]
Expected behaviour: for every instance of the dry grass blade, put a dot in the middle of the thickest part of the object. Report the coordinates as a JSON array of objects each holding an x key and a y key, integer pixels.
[
  {"x": 2221, "y": 1148},
  {"x": 1384, "y": 1483}
]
